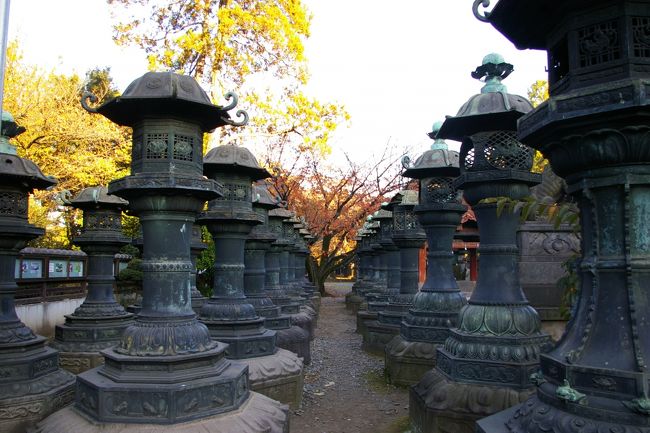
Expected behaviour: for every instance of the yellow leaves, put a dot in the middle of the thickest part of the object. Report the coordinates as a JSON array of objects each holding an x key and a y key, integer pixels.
[
  {"x": 77, "y": 148},
  {"x": 233, "y": 38},
  {"x": 538, "y": 92}
]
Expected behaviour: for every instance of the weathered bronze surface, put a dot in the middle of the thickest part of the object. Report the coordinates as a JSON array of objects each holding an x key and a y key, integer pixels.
[
  {"x": 196, "y": 247},
  {"x": 409, "y": 238},
  {"x": 228, "y": 314},
  {"x": 436, "y": 306},
  {"x": 486, "y": 362},
  {"x": 594, "y": 131},
  {"x": 31, "y": 383},
  {"x": 297, "y": 338},
  {"x": 166, "y": 368},
  {"x": 100, "y": 320}
]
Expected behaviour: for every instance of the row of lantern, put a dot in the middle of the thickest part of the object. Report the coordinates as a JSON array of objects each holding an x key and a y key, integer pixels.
[
  {"x": 460, "y": 355},
  {"x": 162, "y": 365}
]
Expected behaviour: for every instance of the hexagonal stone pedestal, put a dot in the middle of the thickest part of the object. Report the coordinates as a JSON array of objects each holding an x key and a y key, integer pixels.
[
  {"x": 279, "y": 376},
  {"x": 407, "y": 361},
  {"x": 438, "y": 405},
  {"x": 257, "y": 414}
]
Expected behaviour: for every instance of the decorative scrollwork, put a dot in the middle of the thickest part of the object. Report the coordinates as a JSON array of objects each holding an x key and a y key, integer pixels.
[
  {"x": 87, "y": 96},
  {"x": 406, "y": 161},
  {"x": 240, "y": 114},
  {"x": 232, "y": 99},
  {"x": 485, "y": 17}
]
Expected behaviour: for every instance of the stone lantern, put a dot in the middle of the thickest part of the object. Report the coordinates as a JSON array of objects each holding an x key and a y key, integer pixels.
[
  {"x": 299, "y": 335},
  {"x": 301, "y": 253},
  {"x": 196, "y": 247},
  {"x": 436, "y": 306},
  {"x": 287, "y": 269},
  {"x": 228, "y": 314},
  {"x": 99, "y": 321},
  {"x": 257, "y": 244},
  {"x": 594, "y": 130},
  {"x": 486, "y": 363},
  {"x": 378, "y": 282},
  {"x": 293, "y": 284},
  {"x": 31, "y": 383},
  {"x": 409, "y": 238},
  {"x": 391, "y": 259},
  {"x": 390, "y": 262},
  {"x": 311, "y": 291},
  {"x": 166, "y": 368},
  {"x": 305, "y": 318},
  {"x": 276, "y": 291},
  {"x": 299, "y": 257},
  {"x": 355, "y": 298}
]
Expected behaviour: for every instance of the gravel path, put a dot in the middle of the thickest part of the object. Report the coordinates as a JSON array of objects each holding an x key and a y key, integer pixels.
[{"x": 344, "y": 388}]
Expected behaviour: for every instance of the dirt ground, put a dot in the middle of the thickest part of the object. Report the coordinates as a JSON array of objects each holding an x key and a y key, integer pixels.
[{"x": 345, "y": 391}]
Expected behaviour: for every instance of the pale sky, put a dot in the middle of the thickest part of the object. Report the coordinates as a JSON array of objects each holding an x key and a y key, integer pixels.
[{"x": 396, "y": 66}]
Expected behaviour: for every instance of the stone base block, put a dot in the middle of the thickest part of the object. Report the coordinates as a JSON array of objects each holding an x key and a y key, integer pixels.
[
  {"x": 363, "y": 317},
  {"x": 438, "y": 405},
  {"x": 407, "y": 361},
  {"x": 258, "y": 414},
  {"x": 78, "y": 362},
  {"x": 296, "y": 340},
  {"x": 313, "y": 315},
  {"x": 304, "y": 321},
  {"x": 315, "y": 302},
  {"x": 497, "y": 422},
  {"x": 197, "y": 302},
  {"x": 353, "y": 301},
  {"x": 279, "y": 376},
  {"x": 377, "y": 336},
  {"x": 19, "y": 414}
]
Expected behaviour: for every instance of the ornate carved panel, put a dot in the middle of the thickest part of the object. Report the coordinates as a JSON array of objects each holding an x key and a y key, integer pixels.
[
  {"x": 599, "y": 43},
  {"x": 183, "y": 147},
  {"x": 157, "y": 146}
]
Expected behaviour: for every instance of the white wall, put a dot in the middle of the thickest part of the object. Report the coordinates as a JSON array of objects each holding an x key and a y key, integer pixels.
[{"x": 44, "y": 316}]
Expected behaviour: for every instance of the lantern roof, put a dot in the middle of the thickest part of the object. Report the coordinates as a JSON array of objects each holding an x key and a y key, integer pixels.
[
  {"x": 493, "y": 109},
  {"x": 231, "y": 158},
  {"x": 437, "y": 161},
  {"x": 528, "y": 24},
  {"x": 165, "y": 95},
  {"x": 280, "y": 212},
  {"x": 13, "y": 167},
  {"x": 97, "y": 196},
  {"x": 263, "y": 198}
]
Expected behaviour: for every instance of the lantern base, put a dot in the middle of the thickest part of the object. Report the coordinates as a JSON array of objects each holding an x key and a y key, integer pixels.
[
  {"x": 18, "y": 414},
  {"x": 278, "y": 376},
  {"x": 296, "y": 340},
  {"x": 438, "y": 405},
  {"x": 378, "y": 336},
  {"x": 305, "y": 321},
  {"x": 407, "y": 361},
  {"x": 80, "y": 340},
  {"x": 363, "y": 318},
  {"x": 277, "y": 322},
  {"x": 245, "y": 338},
  {"x": 257, "y": 414}
]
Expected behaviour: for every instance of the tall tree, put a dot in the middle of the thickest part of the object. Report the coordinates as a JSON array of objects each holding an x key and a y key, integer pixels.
[
  {"x": 335, "y": 200},
  {"x": 255, "y": 47},
  {"x": 217, "y": 41},
  {"x": 79, "y": 150}
]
